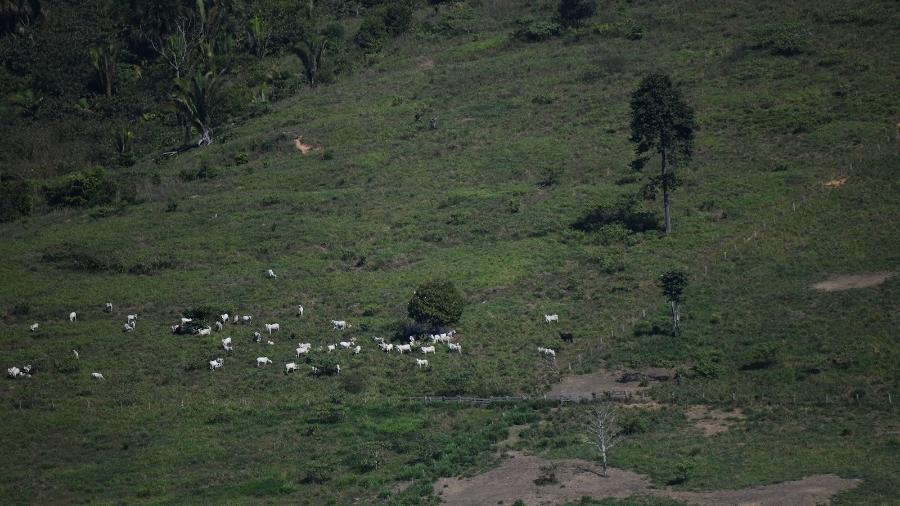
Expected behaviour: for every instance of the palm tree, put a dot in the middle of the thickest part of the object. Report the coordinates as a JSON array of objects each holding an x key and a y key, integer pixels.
[
  {"x": 310, "y": 53},
  {"x": 104, "y": 59},
  {"x": 194, "y": 99},
  {"x": 16, "y": 15}
]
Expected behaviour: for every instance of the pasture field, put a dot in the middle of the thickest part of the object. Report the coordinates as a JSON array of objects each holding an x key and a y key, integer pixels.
[{"x": 530, "y": 138}]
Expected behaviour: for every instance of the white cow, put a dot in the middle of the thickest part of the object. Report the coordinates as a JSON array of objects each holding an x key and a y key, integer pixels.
[
  {"x": 455, "y": 347},
  {"x": 34, "y": 326},
  {"x": 427, "y": 349},
  {"x": 386, "y": 347},
  {"x": 72, "y": 316},
  {"x": 270, "y": 343},
  {"x": 262, "y": 361},
  {"x": 226, "y": 344},
  {"x": 357, "y": 349},
  {"x": 290, "y": 367},
  {"x": 204, "y": 332},
  {"x": 403, "y": 347},
  {"x": 235, "y": 319},
  {"x": 130, "y": 318},
  {"x": 257, "y": 337},
  {"x": 551, "y": 318},
  {"x": 224, "y": 317},
  {"x": 347, "y": 344},
  {"x": 546, "y": 352},
  {"x": 75, "y": 352},
  {"x": 331, "y": 348},
  {"x": 108, "y": 307},
  {"x": 420, "y": 363},
  {"x": 299, "y": 309},
  {"x": 340, "y": 324},
  {"x": 97, "y": 376},
  {"x": 128, "y": 327},
  {"x": 186, "y": 320},
  {"x": 216, "y": 364},
  {"x": 273, "y": 326},
  {"x": 246, "y": 319},
  {"x": 270, "y": 274},
  {"x": 218, "y": 326},
  {"x": 14, "y": 372}
]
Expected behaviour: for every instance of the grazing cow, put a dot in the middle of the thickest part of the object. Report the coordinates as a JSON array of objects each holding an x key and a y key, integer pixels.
[
  {"x": 551, "y": 318},
  {"x": 357, "y": 349},
  {"x": 566, "y": 336},
  {"x": 386, "y": 347},
  {"x": 420, "y": 363},
  {"x": 246, "y": 319},
  {"x": 262, "y": 361},
  {"x": 72, "y": 316},
  {"x": 226, "y": 344},
  {"x": 204, "y": 332},
  {"x": 216, "y": 364},
  {"x": 331, "y": 348},
  {"x": 270, "y": 343},
  {"x": 403, "y": 347},
  {"x": 347, "y": 344},
  {"x": 290, "y": 367},
  {"x": 27, "y": 369},
  {"x": 128, "y": 327},
  {"x": 75, "y": 352},
  {"x": 301, "y": 351},
  {"x": 299, "y": 309},
  {"x": 224, "y": 317},
  {"x": 454, "y": 347},
  {"x": 218, "y": 326},
  {"x": 257, "y": 337},
  {"x": 340, "y": 324},
  {"x": 97, "y": 376},
  {"x": 130, "y": 318},
  {"x": 546, "y": 352},
  {"x": 14, "y": 372},
  {"x": 108, "y": 308},
  {"x": 235, "y": 319},
  {"x": 270, "y": 274},
  {"x": 273, "y": 326},
  {"x": 34, "y": 326},
  {"x": 427, "y": 349},
  {"x": 186, "y": 320}
]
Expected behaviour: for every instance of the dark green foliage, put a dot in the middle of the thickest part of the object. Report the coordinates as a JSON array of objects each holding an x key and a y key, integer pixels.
[
  {"x": 530, "y": 30},
  {"x": 436, "y": 303},
  {"x": 762, "y": 355},
  {"x": 390, "y": 20},
  {"x": 575, "y": 11},
  {"x": 17, "y": 198},
  {"x": 16, "y": 16},
  {"x": 205, "y": 171},
  {"x": 625, "y": 212},
  {"x": 88, "y": 187},
  {"x": 673, "y": 284},
  {"x": 371, "y": 34}
]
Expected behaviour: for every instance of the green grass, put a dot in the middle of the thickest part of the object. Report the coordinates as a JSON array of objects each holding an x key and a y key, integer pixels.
[{"x": 398, "y": 203}]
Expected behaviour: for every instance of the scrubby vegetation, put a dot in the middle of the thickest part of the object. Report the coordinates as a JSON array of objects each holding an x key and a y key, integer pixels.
[{"x": 361, "y": 149}]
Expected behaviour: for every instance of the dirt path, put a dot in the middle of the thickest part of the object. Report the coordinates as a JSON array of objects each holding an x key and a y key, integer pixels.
[
  {"x": 573, "y": 479},
  {"x": 851, "y": 281}
]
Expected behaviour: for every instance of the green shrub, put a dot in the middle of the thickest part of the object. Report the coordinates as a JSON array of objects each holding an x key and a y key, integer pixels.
[
  {"x": 16, "y": 199},
  {"x": 762, "y": 355},
  {"x": 626, "y": 212},
  {"x": 371, "y": 34},
  {"x": 574, "y": 11},
  {"x": 437, "y": 303},
  {"x": 83, "y": 188},
  {"x": 530, "y": 30},
  {"x": 204, "y": 172}
]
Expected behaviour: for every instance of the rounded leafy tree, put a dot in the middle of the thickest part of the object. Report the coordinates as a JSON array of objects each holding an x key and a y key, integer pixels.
[{"x": 437, "y": 303}]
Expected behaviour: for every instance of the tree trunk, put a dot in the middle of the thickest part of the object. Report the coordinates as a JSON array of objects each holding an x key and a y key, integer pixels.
[
  {"x": 674, "y": 315},
  {"x": 665, "y": 189},
  {"x": 205, "y": 136},
  {"x": 603, "y": 453}
]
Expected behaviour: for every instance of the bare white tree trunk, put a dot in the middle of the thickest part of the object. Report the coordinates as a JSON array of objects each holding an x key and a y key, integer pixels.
[{"x": 604, "y": 432}]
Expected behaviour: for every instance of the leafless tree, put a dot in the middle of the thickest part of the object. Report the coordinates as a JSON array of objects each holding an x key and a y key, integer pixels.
[
  {"x": 178, "y": 49},
  {"x": 605, "y": 434}
]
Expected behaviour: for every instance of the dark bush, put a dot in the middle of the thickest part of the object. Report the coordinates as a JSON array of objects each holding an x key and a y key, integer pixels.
[
  {"x": 762, "y": 356},
  {"x": 83, "y": 188},
  {"x": 204, "y": 172},
  {"x": 371, "y": 34},
  {"x": 574, "y": 11},
  {"x": 626, "y": 213},
  {"x": 436, "y": 302},
  {"x": 16, "y": 199},
  {"x": 786, "y": 39},
  {"x": 397, "y": 18},
  {"x": 406, "y": 329},
  {"x": 530, "y": 30}
]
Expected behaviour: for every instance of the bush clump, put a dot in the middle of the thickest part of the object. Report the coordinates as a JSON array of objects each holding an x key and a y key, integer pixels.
[
  {"x": 392, "y": 20},
  {"x": 16, "y": 199},
  {"x": 436, "y": 303},
  {"x": 89, "y": 187},
  {"x": 626, "y": 213},
  {"x": 786, "y": 39},
  {"x": 530, "y": 30},
  {"x": 572, "y": 12}
]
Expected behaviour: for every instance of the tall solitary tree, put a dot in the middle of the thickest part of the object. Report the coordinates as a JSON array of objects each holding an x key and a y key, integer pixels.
[
  {"x": 604, "y": 432},
  {"x": 661, "y": 123},
  {"x": 673, "y": 284}
]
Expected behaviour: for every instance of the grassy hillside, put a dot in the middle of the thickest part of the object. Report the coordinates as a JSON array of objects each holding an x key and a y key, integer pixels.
[{"x": 530, "y": 137}]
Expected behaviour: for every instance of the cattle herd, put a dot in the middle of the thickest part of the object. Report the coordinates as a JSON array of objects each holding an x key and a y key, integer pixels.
[{"x": 424, "y": 344}]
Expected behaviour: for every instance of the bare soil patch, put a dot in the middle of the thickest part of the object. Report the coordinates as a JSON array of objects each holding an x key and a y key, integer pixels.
[
  {"x": 585, "y": 385},
  {"x": 809, "y": 491},
  {"x": 713, "y": 421},
  {"x": 851, "y": 281},
  {"x": 425, "y": 64},
  {"x": 515, "y": 479}
]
